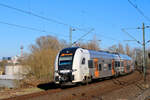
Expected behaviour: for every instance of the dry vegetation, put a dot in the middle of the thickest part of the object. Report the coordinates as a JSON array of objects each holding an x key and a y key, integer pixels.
[
  {"x": 2, "y": 66},
  {"x": 92, "y": 45},
  {"x": 40, "y": 61}
]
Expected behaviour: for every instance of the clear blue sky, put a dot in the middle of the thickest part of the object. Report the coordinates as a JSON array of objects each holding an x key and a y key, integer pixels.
[{"x": 107, "y": 17}]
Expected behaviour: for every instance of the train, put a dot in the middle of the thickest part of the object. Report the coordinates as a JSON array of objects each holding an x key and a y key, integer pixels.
[{"x": 78, "y": 65}]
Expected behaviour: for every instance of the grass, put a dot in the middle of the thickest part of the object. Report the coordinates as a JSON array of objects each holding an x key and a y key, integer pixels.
[{"x": 18, "y": 92}]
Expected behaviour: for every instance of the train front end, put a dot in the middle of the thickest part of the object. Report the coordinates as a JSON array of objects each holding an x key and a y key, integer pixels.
[{"x": 64, "y": 67}]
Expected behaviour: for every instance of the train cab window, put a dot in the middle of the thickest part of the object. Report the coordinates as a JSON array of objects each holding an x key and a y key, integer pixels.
[
  {"x": 116, "y": 65},
  {"x": 90, "y": 63},
  {"x": 100, "y": 67},
  {"x": 109, "y": 66},
  {"x": 83, "y": 61}
]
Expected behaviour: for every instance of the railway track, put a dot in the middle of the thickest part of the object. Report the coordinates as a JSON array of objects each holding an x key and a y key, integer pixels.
[{"x": 95, "y": 89}]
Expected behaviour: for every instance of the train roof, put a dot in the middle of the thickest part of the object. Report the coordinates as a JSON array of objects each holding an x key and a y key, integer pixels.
[
  {"x": 97, "y": 54},
  {"x": 125, "y": 57},
  {"x": 108, "y": 55},
  {"x": 104, "y": 54}
]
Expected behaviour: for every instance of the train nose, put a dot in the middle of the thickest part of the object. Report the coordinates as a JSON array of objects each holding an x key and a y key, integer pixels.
[{"x": 66, "y": 77}]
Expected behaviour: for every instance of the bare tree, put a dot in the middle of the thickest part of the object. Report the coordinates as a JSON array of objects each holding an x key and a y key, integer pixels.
[
  {"x": 3, "y": 64},
  {"x": 120, "y": 48},
  {"x": 42, "y": 57},
  {"x": 92, "y": 44},
  {"x": 113, "y": 48},
  {"x": 128, "y": 50}
]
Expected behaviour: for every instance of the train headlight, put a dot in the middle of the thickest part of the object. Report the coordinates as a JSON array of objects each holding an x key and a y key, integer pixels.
[
  {"x": 64, "y": 71},
  {"x": 57, "y": 71}
]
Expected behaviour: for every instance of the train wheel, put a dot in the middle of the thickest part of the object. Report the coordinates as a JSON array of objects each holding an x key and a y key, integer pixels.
[{"x": 86, "y": 80}]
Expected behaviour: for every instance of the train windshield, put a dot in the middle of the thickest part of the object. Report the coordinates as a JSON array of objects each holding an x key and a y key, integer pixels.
[{"x": 65, "y": 60}]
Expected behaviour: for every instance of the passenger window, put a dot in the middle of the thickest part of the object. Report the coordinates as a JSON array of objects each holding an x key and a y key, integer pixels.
[
  {"x": 109, "y": 66},
  {"x": 118, "y": 64},
  {"x": 127, "y": 63},
  {"x": 83, "y": 61},
  {"x": 100, "y": 67},
  {"x": 122, "y": 64},
  {"x": 90, "y": 63}
]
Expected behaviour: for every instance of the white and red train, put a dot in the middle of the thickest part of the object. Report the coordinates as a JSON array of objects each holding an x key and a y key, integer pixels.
[{"x": 76, "y": 64}]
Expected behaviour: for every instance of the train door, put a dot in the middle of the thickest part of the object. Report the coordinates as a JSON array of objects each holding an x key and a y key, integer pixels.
[
  {"x": 122, "y": 66},
  {"x": 113, "y": 67},
  {"x": 104, "y": 69},
  {"x": 109, "y": 68},
  {"x": 100, "y": 65},
  {"x": 125, "y": 66},
  {"x": 96, "y": 73},
  {"x": 91, "y": 68},
  {"x": 128, "y": 66},
  {"x": 83, "y": 66}
]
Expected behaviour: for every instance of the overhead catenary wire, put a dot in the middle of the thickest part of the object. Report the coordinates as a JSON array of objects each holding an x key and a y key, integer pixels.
[
  {"x": 44, "y": 31},
  {"x": 26, "y": 27},
  {"x": 104, "y": 36},
  {"x": 39, "y": 16},
  {"x": 31, "y": 13},
  {"x": 108, "y": 37},
  {"x": 44, "y": 18},
  {"x": 139, "y": 10},
  {"x": 131, "y": 36},
  {"x": 83, "y": 36},
  {"x": 130, "y": 28}
]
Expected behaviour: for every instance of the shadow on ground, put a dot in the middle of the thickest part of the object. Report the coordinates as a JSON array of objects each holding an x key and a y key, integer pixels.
[
  {"x": 52, "y": 85},
  {"x": 47, "y": 86}
]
